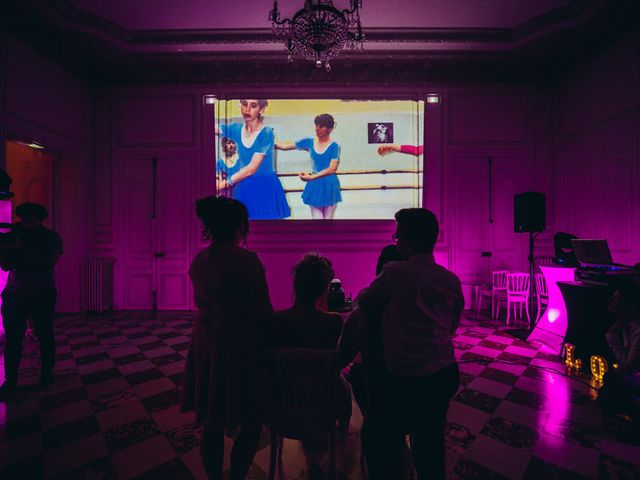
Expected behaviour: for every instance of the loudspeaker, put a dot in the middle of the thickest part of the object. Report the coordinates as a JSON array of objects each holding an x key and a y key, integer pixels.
[{"x": 529, "y": 212}]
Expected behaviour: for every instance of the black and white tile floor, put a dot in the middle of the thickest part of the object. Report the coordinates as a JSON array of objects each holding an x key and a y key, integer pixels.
[{"x": 112, "y": 412}]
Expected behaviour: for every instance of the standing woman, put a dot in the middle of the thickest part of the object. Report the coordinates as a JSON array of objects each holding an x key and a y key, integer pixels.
[
  {"x": 224, "y": 376},
  {"x": 322, "y": 189},
  {"x": 255, "y": 183}
]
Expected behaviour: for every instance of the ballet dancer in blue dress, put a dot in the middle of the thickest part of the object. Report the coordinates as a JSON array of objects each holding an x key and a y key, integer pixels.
[
  {"x": 255, "y": 182},
  {"x": 322, "y": 189}
]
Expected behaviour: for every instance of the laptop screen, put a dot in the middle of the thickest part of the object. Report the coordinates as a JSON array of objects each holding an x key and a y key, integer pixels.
[{"x": 592, "y": 251}]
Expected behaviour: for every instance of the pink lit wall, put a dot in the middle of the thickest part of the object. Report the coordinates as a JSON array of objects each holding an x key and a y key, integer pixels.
[
  {"x": 598, "y": 155},
  {"x": 172, "y": 125},
  {"x": 41, "y": 102}
]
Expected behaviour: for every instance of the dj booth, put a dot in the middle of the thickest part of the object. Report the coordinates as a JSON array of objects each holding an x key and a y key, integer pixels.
[{"x": 578, "y": 299}]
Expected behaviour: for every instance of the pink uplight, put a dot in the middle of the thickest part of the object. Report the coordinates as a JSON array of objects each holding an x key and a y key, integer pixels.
[
  {"x": 552, "y": 327},
  {"x": 554, "y": 314}
]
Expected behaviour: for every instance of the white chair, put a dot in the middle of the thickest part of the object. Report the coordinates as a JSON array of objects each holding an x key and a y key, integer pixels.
[
  {"x": 542, "y": 294},
  {"x": 518, "y": 294},
  {"x": 497, "y": 292}
]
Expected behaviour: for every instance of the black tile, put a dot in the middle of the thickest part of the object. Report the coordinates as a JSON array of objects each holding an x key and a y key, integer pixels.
[
  {"x": 514, "y": 358},
  {"x": 527, "y": 398},
  {"x": 105, "y": 335},
  {"x": 180, "y": 347},
  {"x": 100, "y": 469},
  {"x": 141, "y": 377},
  {"x": 471, "y": 357},
  {"x": 167, "y": 359},
  {"x": 130, "y": 433},
  {"x": 470, "y": 470},
  {"x": 479, "y": 400},
  {"x": 177, "y": 378},
  {"x": 166, "y": 335},
  {"x": 494, "y": 345},
  {"x": 62, "y": 399},
  {"x": 499, "y": 376},
  {"x": 82, "y": 346},
  {"x": 133, "y": 358},
  {"x": 150, "y": 346},
  {"x": 29, "y": 468},
  {"x": 69, "y": 432},
  {"x": 174, "y": 469},
  {"x": 161, "y": 401},
  {"x": 183, "y": 438},
  {"x": 63, "y": 356},
  {"x": 96, "y": 357},
  {"x": 19, "y": 427},
  {"x": 133, "y": 336},
  {"x": 101, "y": 376},
  {"x": 538, "y": 469},
  {"x": 510, "y": 433}
]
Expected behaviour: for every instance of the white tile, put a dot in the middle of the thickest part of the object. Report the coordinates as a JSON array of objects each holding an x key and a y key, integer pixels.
[
  {"x": 567, "y": 455},
  {"x": 468, "y": 417},
  {"x": 20, "y": 448},
  {"x": 143, "y": 456},
  {"x": 495, "y": 389},
  {"x": 499, "y": 457},
  {"x": 73, "y": 455},
  {"x": 517, "y": 413}
]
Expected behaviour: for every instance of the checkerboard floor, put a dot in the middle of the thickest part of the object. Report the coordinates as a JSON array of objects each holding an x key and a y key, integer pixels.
[{"x": 112, "y": 412}]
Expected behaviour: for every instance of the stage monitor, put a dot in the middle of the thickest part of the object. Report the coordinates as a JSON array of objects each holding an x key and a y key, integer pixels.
[
  {"x": 323, "y": 159},
  {"x": 592, "y": 252}
]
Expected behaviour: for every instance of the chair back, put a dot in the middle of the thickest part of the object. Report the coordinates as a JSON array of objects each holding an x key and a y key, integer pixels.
[
  {"x": 541, "y": 285},
  {"x": 499, "y": 279},
  {"x": 518, "y": 284},
  {"x": 304, "y": 391}
]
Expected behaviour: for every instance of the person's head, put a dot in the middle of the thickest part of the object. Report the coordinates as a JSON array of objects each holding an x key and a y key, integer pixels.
[
  {"x": 224, "y": 220},
  {"x": 252, "y": 109},
  {"x": 311, "y": 278},
  {"x": 625, "y": 301},
  {"x": 388, "y": 254},
  {"x": 31, "y": 214},
  {"x": 324, "y": 125},
  {"x": 229, "y": 147},
  {"x": 416, "y": 231}
]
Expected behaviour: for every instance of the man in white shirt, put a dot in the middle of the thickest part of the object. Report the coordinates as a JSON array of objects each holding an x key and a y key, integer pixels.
[{"x": 420, "y": 303}]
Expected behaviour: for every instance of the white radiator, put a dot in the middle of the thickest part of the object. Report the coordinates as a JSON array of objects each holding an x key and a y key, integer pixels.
[{"x": 97, "y": 284}]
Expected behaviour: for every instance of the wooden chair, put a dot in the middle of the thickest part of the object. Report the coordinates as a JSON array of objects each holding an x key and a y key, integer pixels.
[
  {"x": 542, "y": 294},
  {"x": 303, "y": 399},
  {"x": 518, "y": 294}
]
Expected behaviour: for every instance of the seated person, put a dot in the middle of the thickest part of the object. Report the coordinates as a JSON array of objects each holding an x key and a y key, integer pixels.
[
  {"x": 307, "y": 324},
  {"x": 620, "y": 392}
]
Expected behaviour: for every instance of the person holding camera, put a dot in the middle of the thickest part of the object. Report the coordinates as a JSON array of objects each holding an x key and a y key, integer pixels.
[{"x": 29, "y": 253}]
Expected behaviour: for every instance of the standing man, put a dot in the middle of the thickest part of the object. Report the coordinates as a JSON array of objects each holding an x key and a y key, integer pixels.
[
  {"x": 420, "y": 304},
  {"x": 29, "y": 253}
]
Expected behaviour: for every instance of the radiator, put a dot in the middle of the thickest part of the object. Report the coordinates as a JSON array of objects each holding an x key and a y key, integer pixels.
[{"x": 97, "y": 284}]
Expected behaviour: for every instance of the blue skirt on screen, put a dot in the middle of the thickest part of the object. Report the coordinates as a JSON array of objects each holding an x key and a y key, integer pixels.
[
  {"x": 323, "y": 192},
  {"x": 263, "y": 196}
]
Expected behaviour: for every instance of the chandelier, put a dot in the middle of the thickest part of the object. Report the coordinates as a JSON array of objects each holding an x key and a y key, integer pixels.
[{"x": 319, "y": 31}]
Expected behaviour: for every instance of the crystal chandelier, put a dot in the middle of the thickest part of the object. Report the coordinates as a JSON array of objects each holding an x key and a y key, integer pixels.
[{"x": 319, "y": 31}]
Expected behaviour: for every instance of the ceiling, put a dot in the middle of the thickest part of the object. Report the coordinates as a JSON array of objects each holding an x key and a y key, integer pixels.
[{"x": 204, "y": 41}]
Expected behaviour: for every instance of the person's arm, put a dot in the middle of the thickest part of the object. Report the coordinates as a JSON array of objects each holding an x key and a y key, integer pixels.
[
  {"x": 632, "y": 362},
  {"x": 408, "y": 149},
  {"x": 331, "y": 169},
  {"x": 286, "y": 146},
  {"x": 615, "y": 339},
  {"x": 246, "y": 172},
  {"x": 373, "y": 298},
  {"x": 257, "y": 286},
  {"x": 348, "y": 343}
]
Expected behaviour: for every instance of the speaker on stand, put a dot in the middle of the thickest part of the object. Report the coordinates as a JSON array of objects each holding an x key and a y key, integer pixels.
[{"x": 529, "y": 216}]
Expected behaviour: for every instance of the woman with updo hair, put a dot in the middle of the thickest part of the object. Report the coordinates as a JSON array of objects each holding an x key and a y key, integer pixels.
[
  {"x": 307, "y": 324},
  {"x": 224, "y": 376}
]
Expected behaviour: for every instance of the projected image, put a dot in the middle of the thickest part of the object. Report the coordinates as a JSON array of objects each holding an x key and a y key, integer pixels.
[{"x": 320, "y": 159}]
